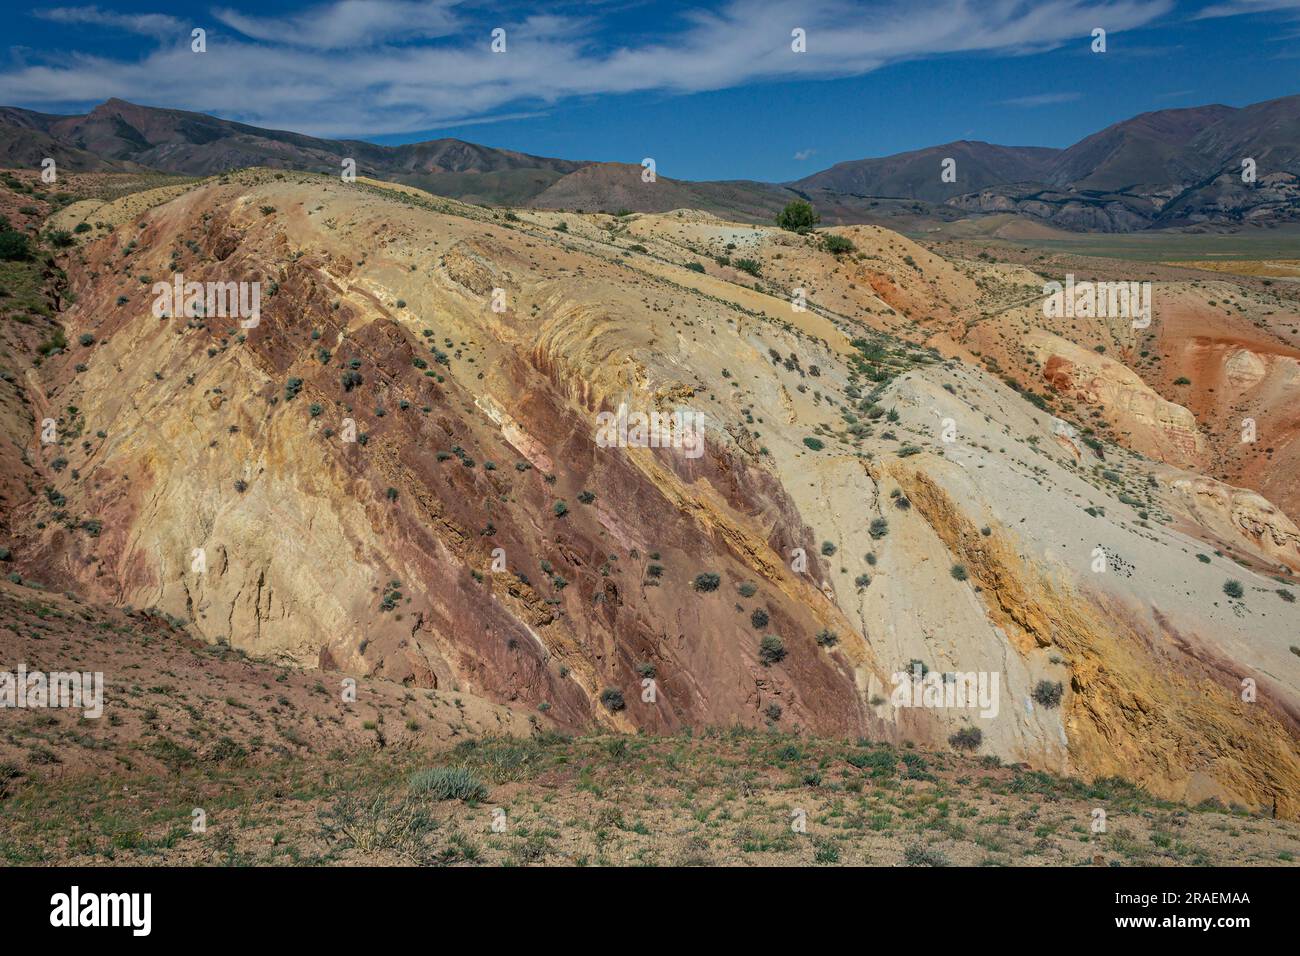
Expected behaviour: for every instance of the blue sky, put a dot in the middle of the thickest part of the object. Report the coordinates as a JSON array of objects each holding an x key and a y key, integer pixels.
[{"x": 711, "y": 91}]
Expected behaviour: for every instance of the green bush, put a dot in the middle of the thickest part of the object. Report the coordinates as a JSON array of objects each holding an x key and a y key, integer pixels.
[
  {"x": 1049, "y": 693},
  {"x": 917, "y": 855},
  {"x": 1233, "y": 589},
  {"x": 771, "y": 650},
  {"x": 706, "y": 581},
  {"x": 837, "y": 245},
  {"x": 448, "y": 783},
  {"x": 968, "y": 738},
  {"x": 612, "y": 698},
  {"x": 13, "y": 246},
  {"x": 798, "y": 216}
]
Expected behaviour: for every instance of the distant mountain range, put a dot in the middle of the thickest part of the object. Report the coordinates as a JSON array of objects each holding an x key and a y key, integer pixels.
[{"x": 1167, "y": 169}]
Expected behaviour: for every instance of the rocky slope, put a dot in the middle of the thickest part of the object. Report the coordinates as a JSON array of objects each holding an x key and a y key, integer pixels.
[{"x": 868, "y": 492}]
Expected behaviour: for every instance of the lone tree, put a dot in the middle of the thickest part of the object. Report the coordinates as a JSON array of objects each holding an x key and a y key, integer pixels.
[{"x": 798, "y": 216}]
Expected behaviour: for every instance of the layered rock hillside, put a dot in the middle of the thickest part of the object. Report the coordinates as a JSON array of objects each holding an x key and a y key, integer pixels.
[{"x": 871, "y": 493}]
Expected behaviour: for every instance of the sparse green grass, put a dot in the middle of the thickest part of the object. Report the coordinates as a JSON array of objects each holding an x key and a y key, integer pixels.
[{"x": 711, "y": 796}]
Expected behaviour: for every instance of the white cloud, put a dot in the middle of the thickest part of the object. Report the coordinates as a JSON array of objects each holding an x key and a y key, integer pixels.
[
  {"x": 147, "y": 24},
  {"x": 339, "y": 69},
  {"x": 349, "y": 24},
  {"x": 804, "y": 154},
  {"x": 1236, "y": 8},
  {"x": 1042, "y": 99}
]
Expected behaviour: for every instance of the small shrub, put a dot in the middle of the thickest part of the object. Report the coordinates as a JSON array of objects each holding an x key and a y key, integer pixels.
[
  {"x": 706, "y": 581},
  {"x": 968, "y": 738},
  {"x": 917, "y": 855},
  {"x": 448, "y": 783},
  {"x": 771, "y": 650},
  {"x": 1048, "y": 693},
  {"x": 837, "y": 245},
  {"x": 13, "y": 246},
  {"x": 1233, "y": 589},
  {"x": 612, "y": 698}
]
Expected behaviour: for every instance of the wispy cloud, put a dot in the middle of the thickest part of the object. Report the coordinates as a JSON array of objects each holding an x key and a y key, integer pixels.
[
  {"x": 1235, "y": 8},
  {"x": 1042, "y": 99},
  {"x": 146, "y": 24},
  {"x": 805, "y": 154},
  {"x": 349, "y": 24},
  {"x": 396, "y": 66}
]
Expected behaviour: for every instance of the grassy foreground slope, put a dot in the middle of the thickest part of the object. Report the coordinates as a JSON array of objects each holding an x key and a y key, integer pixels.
[
  {"x": 287, "y": 773},
  {"x": 720, "y": 798}
]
